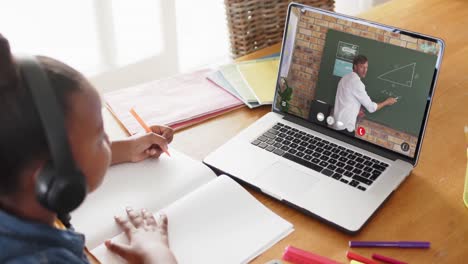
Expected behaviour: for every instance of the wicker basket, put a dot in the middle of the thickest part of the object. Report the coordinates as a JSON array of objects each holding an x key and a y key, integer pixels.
[{"x": 255, "y": 24}]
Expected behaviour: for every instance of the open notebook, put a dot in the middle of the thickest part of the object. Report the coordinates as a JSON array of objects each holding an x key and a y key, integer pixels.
[{"x": 211, "y": 219}]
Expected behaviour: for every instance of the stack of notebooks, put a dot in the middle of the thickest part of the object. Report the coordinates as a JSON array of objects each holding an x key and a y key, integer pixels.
[
  {"x": 177, "y": 101},
  {"x": 253, "y": 82},
  {"x": 190, "y": 98}
]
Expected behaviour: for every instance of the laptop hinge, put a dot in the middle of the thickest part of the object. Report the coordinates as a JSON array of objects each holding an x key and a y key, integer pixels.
[{"x": 352, "y": 141}]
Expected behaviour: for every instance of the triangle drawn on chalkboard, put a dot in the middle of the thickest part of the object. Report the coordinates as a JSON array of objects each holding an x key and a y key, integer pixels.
[{"x": 401, "y": 75}]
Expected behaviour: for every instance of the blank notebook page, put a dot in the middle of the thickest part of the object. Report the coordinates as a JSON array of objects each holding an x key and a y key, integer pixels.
[
  {"x": 219, "y": 222},
  {"x": 152, "y": 184}
]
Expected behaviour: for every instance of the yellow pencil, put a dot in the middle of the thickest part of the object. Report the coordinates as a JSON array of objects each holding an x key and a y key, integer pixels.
[{"x": 145, "y": 126}]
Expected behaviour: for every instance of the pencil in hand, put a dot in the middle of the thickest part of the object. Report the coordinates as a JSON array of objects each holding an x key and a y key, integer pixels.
[{"x": 146, "y": 127}]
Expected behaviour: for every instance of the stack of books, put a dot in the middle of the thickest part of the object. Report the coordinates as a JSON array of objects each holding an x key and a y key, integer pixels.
[{"x": 253, "y": 82}]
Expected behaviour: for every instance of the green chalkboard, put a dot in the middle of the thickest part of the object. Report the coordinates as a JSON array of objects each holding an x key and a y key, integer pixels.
[{"x": 393, "y": 71}]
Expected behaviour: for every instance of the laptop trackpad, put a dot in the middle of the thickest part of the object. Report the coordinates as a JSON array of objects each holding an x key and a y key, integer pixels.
[{"x": 284, "y": 180}]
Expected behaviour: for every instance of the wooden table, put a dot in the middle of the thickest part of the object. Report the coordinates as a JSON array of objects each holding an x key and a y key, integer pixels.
[{"x": 428, "y": 205}]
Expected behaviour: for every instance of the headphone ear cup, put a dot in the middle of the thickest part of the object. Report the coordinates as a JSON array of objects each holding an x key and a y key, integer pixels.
[
  {"x": 60, "y": 193},
  {"x": 43, "y": 184},
  {"x": 66, "y": 193}
]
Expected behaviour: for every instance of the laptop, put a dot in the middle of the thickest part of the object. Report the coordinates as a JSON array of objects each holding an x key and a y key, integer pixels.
[{"x": 348, "y": 119}]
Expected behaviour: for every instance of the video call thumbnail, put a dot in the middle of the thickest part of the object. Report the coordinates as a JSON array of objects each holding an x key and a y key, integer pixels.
[{"x": 360, "y": 80}]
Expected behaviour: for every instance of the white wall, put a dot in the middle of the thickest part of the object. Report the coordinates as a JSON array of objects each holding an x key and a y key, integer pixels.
[{"x": 120, "y": 43}]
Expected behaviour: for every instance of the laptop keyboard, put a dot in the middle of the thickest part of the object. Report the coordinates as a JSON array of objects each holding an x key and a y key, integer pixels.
[{"x": 342, "y": 164}]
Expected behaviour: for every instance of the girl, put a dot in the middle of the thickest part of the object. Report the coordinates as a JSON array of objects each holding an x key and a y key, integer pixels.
[{"x": 30, "y": 233}]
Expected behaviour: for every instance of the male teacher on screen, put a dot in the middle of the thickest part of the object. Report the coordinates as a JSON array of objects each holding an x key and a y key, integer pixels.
[{"x": 351, "y": 94}]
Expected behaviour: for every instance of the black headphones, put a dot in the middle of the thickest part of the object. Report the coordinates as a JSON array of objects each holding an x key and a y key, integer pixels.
[{"x": 60, "y": 186}]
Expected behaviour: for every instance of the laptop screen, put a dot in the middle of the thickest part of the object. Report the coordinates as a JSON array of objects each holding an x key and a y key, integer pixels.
[{"x": 365, "y": 80}]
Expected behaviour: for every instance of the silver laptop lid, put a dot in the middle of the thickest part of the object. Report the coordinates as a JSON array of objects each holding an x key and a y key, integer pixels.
[{"x": 371, "y": 82}]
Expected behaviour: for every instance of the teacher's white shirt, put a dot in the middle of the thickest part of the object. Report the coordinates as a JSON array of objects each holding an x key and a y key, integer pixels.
[{"x": 350, "y": 95}]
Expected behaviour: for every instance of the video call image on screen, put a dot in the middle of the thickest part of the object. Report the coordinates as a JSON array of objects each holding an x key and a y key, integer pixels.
[{"x": 361, "y": 80}]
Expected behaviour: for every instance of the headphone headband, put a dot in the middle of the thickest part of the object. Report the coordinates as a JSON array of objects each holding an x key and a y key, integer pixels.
[{"x": 50, "y": 113}]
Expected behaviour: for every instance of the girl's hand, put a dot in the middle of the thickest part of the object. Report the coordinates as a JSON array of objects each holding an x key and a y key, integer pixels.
[
  {"x": 148, "y": 240},
  {"x": 142, "y": 146}
]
